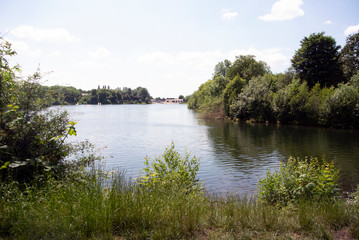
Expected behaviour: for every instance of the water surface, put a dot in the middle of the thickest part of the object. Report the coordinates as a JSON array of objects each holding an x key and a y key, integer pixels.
[{"x": 233, "y": 156}]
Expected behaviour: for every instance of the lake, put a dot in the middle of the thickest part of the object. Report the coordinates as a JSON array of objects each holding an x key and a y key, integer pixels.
[{"x": 233, "y": 156}]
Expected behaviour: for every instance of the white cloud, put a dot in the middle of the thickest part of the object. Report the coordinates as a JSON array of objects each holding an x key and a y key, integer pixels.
[
  {"x": 284, "y": 10},
  {"x": 199, "y": 60},
  {"x": 328, "y": 22},
  {"x": 182, "y": 72},
  {"x": 156, "y": 58},
  {"x": 208, "y": 59},
  {"x": 272, "y": 56},
  {"x": 100, "y": 53},
  {"x": 54, "y": 54},
  {"x": 22, "y": 48},
  {"x": 226, "y": 14},
  {"x": 96, "y": 60},
  {"x": 88, "y": 64},
  {"x": 351, "y": 30},
  {"x": 43, "y": 35}
]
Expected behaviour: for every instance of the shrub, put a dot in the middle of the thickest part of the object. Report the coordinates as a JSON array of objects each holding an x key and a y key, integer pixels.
[
  {"x": 32, "y": 138},
  {"x": 300, "y": 179},
  {"x": 343, "y": 107},
  {"x": 171, "y": 172}
]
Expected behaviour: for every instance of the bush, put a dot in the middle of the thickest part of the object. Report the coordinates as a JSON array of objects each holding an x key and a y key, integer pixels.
[
  {"x": 343, "y": 107},
  {"x": 32, "y": 138},
  {"x": 297, "y": 180},
  {"x": 171, "y": 172}
]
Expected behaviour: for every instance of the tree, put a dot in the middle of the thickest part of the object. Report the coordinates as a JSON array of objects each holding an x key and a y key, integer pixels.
[
  {"x": 247, "y": 67},
  {"x": 343, "y": 107},
  {"x": 317, "y": 60},
  {"x": 180, "y": 97},
  {"x": 103, "y": 95},
  {"x": 221, "y": 68},
  {"x": 143, "y": 94},
  {"x": 254, "y": 101},
  {"x": 349, "y": 56},
  {"x": 231, "y": 91}
]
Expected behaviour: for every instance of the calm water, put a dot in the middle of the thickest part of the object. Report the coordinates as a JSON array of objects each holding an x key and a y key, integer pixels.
[{"x": 233, "y": 156}]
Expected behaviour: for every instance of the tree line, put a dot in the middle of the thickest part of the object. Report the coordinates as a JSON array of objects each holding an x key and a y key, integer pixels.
[
  {"x": 321, "y": 88},
  {"x": 61, "y": 95}
]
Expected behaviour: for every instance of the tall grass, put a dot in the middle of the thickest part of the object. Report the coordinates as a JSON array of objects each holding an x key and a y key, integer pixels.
[
  {"x": 168, "y": 202},
  {"x": 87, "y": 210}
]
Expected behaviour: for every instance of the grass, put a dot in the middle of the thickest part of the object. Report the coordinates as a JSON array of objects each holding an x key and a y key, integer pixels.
[{"x": 120, "y": 209}]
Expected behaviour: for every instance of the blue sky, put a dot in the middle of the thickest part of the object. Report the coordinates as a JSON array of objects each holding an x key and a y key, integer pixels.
[{"x": 169, "y": 47}]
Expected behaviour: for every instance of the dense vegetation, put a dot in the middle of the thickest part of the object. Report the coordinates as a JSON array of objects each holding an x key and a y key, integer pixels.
[
  {"x": 320, "y": 89},
  {"x": 69, "y": 95}
]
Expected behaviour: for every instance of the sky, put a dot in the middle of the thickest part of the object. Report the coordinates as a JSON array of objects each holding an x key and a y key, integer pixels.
[{"x": 169, "y": 47}]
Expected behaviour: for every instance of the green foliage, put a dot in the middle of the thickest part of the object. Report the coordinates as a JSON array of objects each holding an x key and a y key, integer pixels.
[
  {"x": 64, "y": 95},
  {"x": 317, "y": 60},
  {"x": 227, "y": 82},
  {"x": 192, "y": 102},
  {"x": 281, "y": 101},
  {"x": 297, "y": 102},
  {"x": 343, "y": 107},
  {"x": 247, "y": 67},
  {"x": 297, "y": 180},
  {"x": 206, "y": 98},
  {"x": 218, "y": 85},
  {"x": 71, "y": 95},
  {"x": 222, "y": 68},
  {"x": 349, "y": 56},
  {"x": 311, "y": 92},
  {"x": 316, "y": 105},
  {"x": 254, "y": 100},
  {"x": 231, "y": 91},
  {"x": 7, "y": 75},
  {"x": 32, "y": 138},
  {"x": 354, "y": 81},
  {"x": 280, "y": 98},
  {"x": 171, "y": 172}
]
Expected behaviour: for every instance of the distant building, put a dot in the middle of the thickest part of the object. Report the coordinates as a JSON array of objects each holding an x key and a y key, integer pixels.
[
  {"x": 174, "y": 100},
  {"x": 167, "y": 100}
]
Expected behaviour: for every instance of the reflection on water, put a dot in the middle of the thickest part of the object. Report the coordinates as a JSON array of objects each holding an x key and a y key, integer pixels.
[
  {"x": 233, "y": 156},
  {"x": 257, "y": 146}
]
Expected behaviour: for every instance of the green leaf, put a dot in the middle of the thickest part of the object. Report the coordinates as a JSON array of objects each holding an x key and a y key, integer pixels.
[{"x": 5, "y": 165}]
